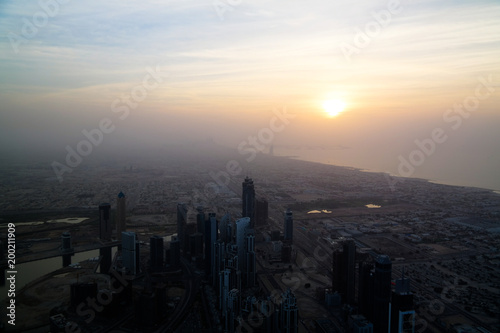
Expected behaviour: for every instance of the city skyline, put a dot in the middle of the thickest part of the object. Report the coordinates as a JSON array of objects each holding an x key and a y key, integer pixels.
[{"x": 398, "y": 69}]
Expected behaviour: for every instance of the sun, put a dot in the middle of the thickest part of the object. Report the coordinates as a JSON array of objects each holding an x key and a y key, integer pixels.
[{"x": 333, "y": 107}]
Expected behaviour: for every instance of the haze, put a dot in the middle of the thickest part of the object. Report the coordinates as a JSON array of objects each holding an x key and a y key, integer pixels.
[{"x": 223, "y": 67}]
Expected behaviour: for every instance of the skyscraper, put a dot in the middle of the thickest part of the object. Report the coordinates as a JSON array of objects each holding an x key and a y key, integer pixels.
[
  {"x": 156, "y": 253},
  {"x": 261, "y": 212},
  {"x": 104, "y": 223},
  {"x": 200, "y": 220},
  {"x": 344, "y": 268},
  {"x": 402, "y": 309},
  {"x": 382, "y": 293},
  {"x": 289, "y": 313},
  {"x": 248, "y": 200},
  {"x": 288, "y": 226},
  {"x": 120, "y": 215},
  {"x": 210, "y": 239},
  {"x": 129, "y": 252},
  {"x": 241, "y": 227},
  {"x": 175, "y": 253},
  {"x": 181, "y": 225},
  {"x": 250, "y": 268}
]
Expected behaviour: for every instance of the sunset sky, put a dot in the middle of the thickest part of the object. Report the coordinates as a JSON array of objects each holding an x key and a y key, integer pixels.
[{"x": 397, "y": 66}]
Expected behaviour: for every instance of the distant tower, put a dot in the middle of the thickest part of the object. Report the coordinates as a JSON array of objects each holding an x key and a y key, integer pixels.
[
  {"x": 248, "y": 200},
  {"x": 175, "y": 253},
  {"x": 261, "y": 212},
  {"x": 241, "y": 227},
  {"x": 129, "y": 252},
  {"x": 382, "y": 293},
  {"x": 181, "y": 225},
  {"x": 156, "y": 253},
  {"x": 120, "y": 215},
  {"x": 66, "y": 248},
  {"x": 289, "y": 313},
  {"x": 210, "y": 239},
  {"x": 288, "y": 232},
  {"x": 200, "y": 220},
  {"x": 344, "y": 268},
  {"x": 104, "y": 223},
  {"x": 402, "y": 309},
  {"x": 225, "y": 229},
  {"x": 250, "y": 269}
]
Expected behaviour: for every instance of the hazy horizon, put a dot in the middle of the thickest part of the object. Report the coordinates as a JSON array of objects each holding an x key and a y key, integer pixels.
[{"x": 233, "y": 70}]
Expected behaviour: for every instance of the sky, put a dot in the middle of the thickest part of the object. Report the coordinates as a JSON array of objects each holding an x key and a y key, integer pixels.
[{"x": 175, "y": 71}]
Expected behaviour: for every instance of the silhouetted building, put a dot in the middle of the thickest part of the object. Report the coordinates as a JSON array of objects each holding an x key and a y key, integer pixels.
[
  {"x": 225, "y": 229},
  {"x": 286, "y": 253},
  {"x": 196, "y": 244},
  {"x": 248, "y": 200},
  {"x": 344, "y": 268},
  {"x": 175, "y": 253},
  {"x": 288, "y": 226},
  {"x": 181, "y": 225},
  {"x": 365, "y": 290},
  {"x": 129, "y": 252},
  {"x": 261, "y": 212},
  {"x": 289, "y": 313},
  {"x": 105, "y": 227},
  {"x": 105, "y": 254},
  {"x": 382, "y": 293},
  {"x": 156, "y": 253},
  {"x": 250, "y": 260},
  {"x": 210, "y": 239},
  {"x": 402, "y": 309},
  {"x": 200, "y": 220},
  {"x": 241, "y": 229},
  {"x": 120, "y": 215}
]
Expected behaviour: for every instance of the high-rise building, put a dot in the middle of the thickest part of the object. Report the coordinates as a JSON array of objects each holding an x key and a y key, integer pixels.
[
  {"x": 156, "y": 253},
  {"x": 248, "y": 200},
  {"x": 289, "y": 313},
  {"x": 382, "y": 293},
  {"x": 250, "y": 269},
  {"x": 241, "y": 229},
  {"x": 365, "y": 294},
  {"x": 105, "y": 227},
  {"x": 288, "y": 226},
  {"x": 200, "y": 220},
  {"x": 401, "y": 307},
  {"x": 181, "y": 225},
  {"x": 261, "y": 212},
  {"x": 129, "y": 252},
  {"x": 225, "y": 229},
  {"x": 175, "y": 253},
  {"x": 120, "y": 215},
  {"x": 344, "y": 268},
  {"x": 210, "y": 239}
]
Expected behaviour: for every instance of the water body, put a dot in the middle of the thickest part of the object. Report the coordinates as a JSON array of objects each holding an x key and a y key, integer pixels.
[
  {"x": 32, "y": 270},
  {"x": 447, "y": 171}
]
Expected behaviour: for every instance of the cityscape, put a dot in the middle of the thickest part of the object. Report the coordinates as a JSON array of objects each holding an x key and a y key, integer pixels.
[
  {"x": 231, "y": 166},
  {"x": 288, "y": 246}
]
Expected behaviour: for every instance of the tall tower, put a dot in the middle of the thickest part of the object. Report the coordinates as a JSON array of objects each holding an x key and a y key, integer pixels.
[
  {"x": 129, "y": 252},
  {"x": 248, "y": 200},
  {"x": 241, "y": 227},
  {"x": 382, "y": 293},
  {"x": 261, "y": 212},
  {"x": 288, "y": 227},
  {"x": 104, "y": 223},
  {"x": 289, "y": 313},
  {"x": 175, "y": 253},
  {"x": 402, "y": 309},
  {"x": 344, "y": 268},
  {"x": 200, "y": 220},
  {"x": 120, "y": 215},
  {"x": 250, "y": 268},
  {"x": 210, "y": 239},
  {"x": 181, "y": 225},
  {"x": 156, "y": 253}
]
